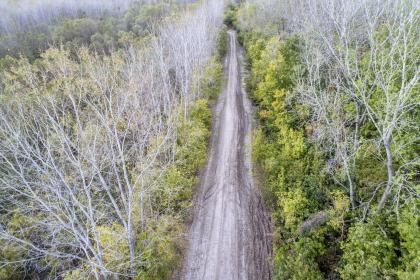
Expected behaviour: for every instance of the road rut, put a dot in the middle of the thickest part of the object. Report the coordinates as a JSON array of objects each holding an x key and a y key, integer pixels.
[{"x": 229, "y": 237}]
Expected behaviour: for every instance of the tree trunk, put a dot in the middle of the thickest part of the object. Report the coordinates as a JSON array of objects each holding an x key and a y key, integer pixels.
[
  {"x": 131, "y": 236},
  {"x": 351, "y": 189},
  {"x": 387, "y": 192}
]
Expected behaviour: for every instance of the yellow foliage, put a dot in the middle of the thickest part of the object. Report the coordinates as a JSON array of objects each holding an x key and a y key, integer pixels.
[
  {"x": 294, "y": 204},
  {"x": 114, "y": 246},
  {"x": 340, "y": 208}
]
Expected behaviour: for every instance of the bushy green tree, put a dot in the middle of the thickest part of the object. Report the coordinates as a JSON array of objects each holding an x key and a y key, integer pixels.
[
  {"x": 408, "y": 228},
  {"x": 368, "y": 253},
  {"x": 336, "y": 128}
]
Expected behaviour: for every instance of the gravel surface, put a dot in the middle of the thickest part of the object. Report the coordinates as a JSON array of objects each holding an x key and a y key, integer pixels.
[{"x": 229, "y": 237}]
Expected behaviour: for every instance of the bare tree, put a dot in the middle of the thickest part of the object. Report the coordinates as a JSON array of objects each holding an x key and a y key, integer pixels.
[
  {"x": 79, "y": 153},
  {"x": 365, "y": 50},
  {"x": 82, "y": 141}
]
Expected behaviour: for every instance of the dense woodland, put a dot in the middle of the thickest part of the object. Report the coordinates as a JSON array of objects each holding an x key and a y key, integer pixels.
[
  {"x": 104, "y": 120},
  {"x": 336, "y": 88},
  {"x": 30, "y": 27}
]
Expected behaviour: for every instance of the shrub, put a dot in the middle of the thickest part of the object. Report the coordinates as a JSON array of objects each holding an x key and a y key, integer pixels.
[
  {"x": 409, "y": 228},
  {"x": 368, "y": 253}
]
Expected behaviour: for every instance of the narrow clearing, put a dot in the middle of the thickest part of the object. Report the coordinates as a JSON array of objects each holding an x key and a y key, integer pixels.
[{"x": 230, "y": 233}]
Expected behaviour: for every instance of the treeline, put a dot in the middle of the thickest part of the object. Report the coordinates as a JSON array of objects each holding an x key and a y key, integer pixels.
[
  {"x": 99, "y": 152},
  {"x": 29, "y": 27},
  {"x": 336, "y": 87}
]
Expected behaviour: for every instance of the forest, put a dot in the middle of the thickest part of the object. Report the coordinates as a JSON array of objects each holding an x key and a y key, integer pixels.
[
  {"x": 106, "y": 112},
  {"x": 104, "y": 121},
  {"x": 337, "y": 94}
]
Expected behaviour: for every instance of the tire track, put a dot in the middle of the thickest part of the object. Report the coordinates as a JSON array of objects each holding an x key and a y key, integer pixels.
[{"x": 229, "y": 236}]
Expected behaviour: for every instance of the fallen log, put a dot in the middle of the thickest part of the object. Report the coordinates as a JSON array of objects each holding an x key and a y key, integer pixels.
[{"x": 314, "y": 221}]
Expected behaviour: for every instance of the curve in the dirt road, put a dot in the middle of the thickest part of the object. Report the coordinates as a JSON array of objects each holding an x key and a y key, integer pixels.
[{"x": 228, "y": 238}]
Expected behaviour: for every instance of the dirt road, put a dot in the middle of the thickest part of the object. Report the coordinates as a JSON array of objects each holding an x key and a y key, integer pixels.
[{"x": 228, "y": 238}]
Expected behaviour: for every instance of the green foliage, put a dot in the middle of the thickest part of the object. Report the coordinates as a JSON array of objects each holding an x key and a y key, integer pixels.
[
  {"x": 103, "y": 32},
  {"x": 139, "y": 17},
  {"x": 294, "y": 206},
  {"x": 222, "y": 43},
  {"x": 114, "y": 247},
  {"x": 193, "y": 137},
  {"x": 211, "y": 81},
  {"x": 6, "y": 63},
  {"x": 301, "y": 176},
  {"x": 11, "y": 252},
  {"x": 291, "y": 166},
  {"x": 339, "y": 211},
  {"x": 230, "y": 15},
  {"x": 161, "y": 247},
  {"x": 284, "y": 147},
  {"x": 163, "y": 238},
  {"x": 80, "y": 30},
  {"x": 368, "y": 253},
  {"x": 409, "y": 228},
  {"x": 159, "y": 241},
  {"x": 298, "y": 260},
  {"x": 77, "y": 274}
]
